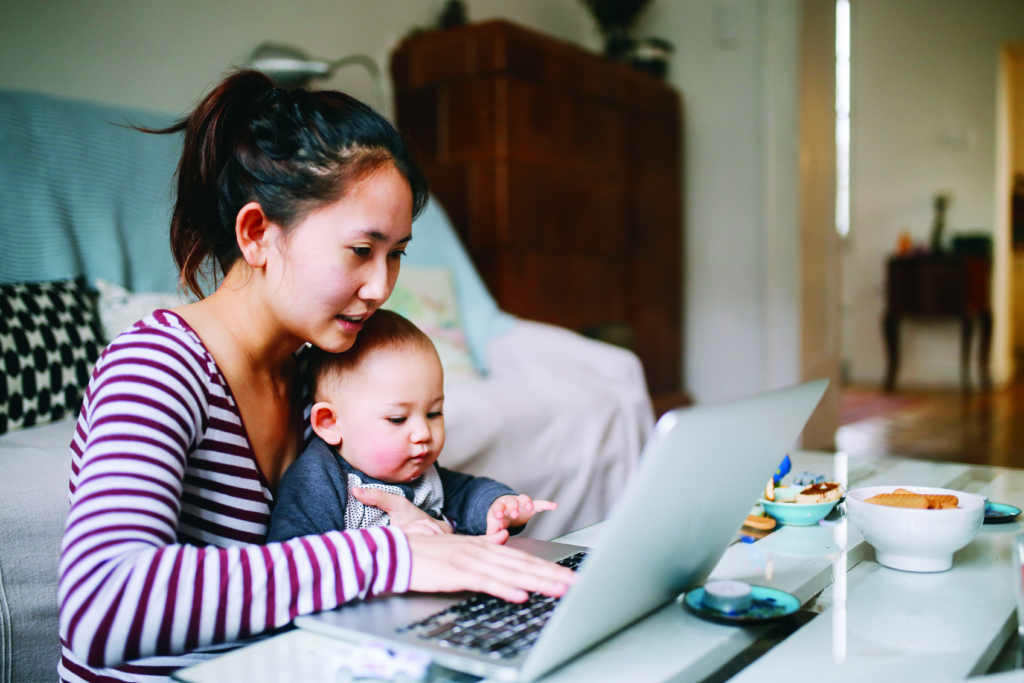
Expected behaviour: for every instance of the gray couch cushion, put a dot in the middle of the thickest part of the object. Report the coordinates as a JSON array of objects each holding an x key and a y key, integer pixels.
[{"x": 34, "y": 468}]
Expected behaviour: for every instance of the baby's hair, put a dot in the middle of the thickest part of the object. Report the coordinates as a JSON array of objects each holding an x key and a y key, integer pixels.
[{"x": 384, "y": 330}]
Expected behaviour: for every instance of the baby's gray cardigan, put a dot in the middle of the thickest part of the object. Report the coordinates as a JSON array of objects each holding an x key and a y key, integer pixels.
[{"x": 313, "y": 495}]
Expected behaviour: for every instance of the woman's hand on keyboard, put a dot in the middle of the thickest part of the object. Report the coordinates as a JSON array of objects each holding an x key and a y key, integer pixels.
[{"x": 448, "y": 563}]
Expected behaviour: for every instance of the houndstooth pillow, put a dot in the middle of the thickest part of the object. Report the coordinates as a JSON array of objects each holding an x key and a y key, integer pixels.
[{"x": 49, "y": 341}]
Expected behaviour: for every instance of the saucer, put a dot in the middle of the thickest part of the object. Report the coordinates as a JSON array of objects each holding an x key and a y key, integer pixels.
[
  {"x": 769, "y": 604},
  {"x": 1000, "y": 513}
]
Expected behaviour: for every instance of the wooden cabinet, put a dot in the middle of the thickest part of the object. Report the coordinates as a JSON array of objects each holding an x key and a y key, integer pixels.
[{"x": 561, "y": 172}]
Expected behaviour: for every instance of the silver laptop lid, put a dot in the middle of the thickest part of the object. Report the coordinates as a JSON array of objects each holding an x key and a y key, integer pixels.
[{"x": 700, "y": 473}]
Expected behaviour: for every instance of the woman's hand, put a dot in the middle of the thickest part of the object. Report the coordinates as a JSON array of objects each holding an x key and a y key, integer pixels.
[
  {"x": 428, "y": 527},
  {"x": 478, "y": 563},
  {"x": 509, "y": 511},
  {"x": 403, "y": 514}
]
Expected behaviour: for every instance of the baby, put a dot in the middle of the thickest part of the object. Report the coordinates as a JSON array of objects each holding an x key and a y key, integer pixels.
[{"x": 379, "y": 426}]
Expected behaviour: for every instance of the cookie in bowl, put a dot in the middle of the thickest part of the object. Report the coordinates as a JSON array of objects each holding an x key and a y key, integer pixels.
[
  {"x": 915, "y": 528},
  {"x": 817, "y": 501}
]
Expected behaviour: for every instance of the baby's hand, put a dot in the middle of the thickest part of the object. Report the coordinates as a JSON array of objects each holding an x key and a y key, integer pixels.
[{"x": 510, "y": 511}]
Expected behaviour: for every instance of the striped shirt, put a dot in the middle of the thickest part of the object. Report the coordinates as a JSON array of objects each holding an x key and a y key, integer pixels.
[{"x": 163, "y": 562}]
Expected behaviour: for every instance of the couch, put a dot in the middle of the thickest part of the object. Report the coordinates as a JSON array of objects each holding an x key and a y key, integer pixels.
[{"x": 547, "y": 411}]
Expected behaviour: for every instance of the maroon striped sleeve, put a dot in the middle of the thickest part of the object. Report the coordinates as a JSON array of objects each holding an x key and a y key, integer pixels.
[{"x": 160, "y": 454}]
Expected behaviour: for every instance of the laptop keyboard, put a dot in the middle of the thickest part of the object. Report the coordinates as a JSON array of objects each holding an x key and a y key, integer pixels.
[{"x": 489, "y": 625}]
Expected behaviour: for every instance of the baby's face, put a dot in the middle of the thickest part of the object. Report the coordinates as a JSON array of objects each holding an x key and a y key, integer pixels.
[{"x": 389, "y": 413}]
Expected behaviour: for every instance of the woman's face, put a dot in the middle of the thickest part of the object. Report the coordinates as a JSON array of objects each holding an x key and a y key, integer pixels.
[{"x": 338, "y": 265}]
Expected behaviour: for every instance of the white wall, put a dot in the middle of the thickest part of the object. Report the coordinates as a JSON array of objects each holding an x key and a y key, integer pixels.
[
  {"x": 164, "y": 55},
  {"x": 736, "y": 66},
  {"x": 924, "y": 120}
]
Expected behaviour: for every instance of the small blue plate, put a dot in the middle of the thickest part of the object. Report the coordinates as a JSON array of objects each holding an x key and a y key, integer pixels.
[
  {"x": 1000, "y": 513},
  {"x": 794, "y": 514},
  {"x": 769, "y": 604}
]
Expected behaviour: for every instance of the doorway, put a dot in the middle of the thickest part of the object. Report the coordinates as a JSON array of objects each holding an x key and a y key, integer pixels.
[
  {"x": 945, "y": 424},
  {"x": 1010, "y": 193}
]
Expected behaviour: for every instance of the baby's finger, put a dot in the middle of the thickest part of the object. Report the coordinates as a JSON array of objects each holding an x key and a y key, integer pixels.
[
  {"x": 539, "y": 505},
  {"x": 497, "y": 538},
  {"x": 494, "y": 521}
]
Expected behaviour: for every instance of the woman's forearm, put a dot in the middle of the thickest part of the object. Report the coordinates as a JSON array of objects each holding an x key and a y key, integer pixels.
[{"x": 130, "y": 599}]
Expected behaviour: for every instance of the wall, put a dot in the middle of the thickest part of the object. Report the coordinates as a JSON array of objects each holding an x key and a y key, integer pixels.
[
  {"x": 736, "y": 65},
  {"x": 924, "y": 95},
  {"x": 819, "y": 242},
  {"x": 164, "y": 55}
]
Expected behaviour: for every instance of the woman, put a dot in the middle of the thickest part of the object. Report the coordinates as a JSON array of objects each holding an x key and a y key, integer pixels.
[{"x": 304, "y": 200}]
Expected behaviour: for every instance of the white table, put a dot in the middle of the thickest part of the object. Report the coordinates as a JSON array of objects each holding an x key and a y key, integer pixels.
[{"x": 873, "y": 623}]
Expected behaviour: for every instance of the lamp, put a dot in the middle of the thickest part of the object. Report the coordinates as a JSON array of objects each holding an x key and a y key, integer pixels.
[{"x": 290, "y": 67}]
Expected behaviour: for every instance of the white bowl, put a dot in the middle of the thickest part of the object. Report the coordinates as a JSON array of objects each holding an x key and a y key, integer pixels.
[{"x": 915, "y": 540}]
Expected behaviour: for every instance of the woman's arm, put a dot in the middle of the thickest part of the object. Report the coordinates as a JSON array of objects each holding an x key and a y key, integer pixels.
[{"x": 127, "y": 588}]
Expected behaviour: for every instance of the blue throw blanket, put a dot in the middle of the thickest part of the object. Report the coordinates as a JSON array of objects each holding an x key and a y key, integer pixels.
[{"x": 81, "y": 194}]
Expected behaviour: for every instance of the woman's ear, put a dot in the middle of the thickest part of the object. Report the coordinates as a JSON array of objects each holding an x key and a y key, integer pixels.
[
  {"x": 324, "y": 419},
  {"x": 251, "y": 232}
]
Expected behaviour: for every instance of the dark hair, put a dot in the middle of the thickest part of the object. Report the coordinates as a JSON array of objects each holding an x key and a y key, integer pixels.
[
  {"x": 290, "y": 151},
  {"x": 382, "y": 330}
]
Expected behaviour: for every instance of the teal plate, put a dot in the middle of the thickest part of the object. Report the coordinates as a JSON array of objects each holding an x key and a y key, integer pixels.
[
  {"x": 769, "y": 604},
  {"x": 1000, "y": 513}
]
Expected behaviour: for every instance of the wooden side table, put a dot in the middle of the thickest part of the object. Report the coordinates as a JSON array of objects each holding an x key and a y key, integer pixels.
[{"x": 940, "y": 287}]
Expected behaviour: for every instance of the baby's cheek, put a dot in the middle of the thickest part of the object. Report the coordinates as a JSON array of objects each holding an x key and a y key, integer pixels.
[{"x": 389, "y": 462}]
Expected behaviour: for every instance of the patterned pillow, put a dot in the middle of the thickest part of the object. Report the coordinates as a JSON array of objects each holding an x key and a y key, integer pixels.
[
  {"x": 120, "y": 309},
  {"x": 49, "y": 340},
  {"x": 426, "y": 296}
]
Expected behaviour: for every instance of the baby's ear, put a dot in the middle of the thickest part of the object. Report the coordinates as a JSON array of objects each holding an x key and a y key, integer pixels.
[{"x": 324, "y": 419}]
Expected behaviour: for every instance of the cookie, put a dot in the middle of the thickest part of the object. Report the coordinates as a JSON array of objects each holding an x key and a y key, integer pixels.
[
  {"x": 900, "y": 500},
  {"x": 769, "y": 490},
  {"x": 936, "y": 501},
  {"x": 824, "y": 492},
  {"x": 942, "y": 502},
  {"x": 758, "y": 522}
]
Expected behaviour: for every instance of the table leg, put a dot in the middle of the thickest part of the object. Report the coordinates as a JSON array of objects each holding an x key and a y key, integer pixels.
[
  {"x": 985, "y": 319},
  {"x": 966, "y": 332},
  {"x": 891, "y": 332}
]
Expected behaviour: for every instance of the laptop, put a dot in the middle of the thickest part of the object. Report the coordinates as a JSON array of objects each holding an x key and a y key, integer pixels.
[{"x": 700, "y": 473}]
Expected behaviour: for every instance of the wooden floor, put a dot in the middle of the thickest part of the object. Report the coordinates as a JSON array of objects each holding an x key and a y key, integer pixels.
[{"x": 978, "y": 428}]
